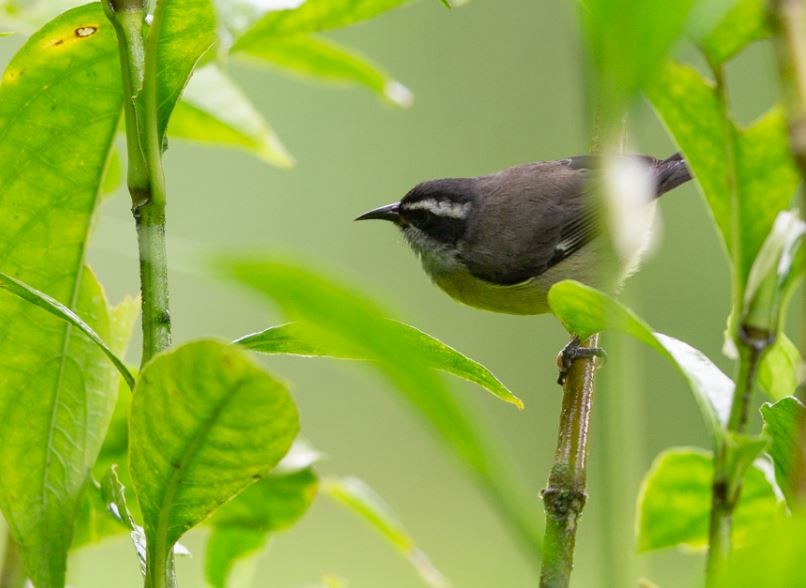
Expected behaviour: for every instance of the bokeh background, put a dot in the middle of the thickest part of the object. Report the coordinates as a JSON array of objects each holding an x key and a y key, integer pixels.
[{"x": 496, "y": 83}]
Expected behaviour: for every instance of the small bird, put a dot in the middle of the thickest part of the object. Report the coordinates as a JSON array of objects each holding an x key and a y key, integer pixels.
[{"x": 500, "y": 241}]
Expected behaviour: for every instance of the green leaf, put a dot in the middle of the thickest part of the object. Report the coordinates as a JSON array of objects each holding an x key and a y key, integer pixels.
[
  {"x": 764, "y": 175},
  {"x": 745, "y": 22},
  {"x": 318, "y": 58},
  {"x": 60, "y": 102},
  {"x": 781, "y": 424},
  {"x": 584, "y": 311},
  {"x": 293, "y": 339},
  {"x": 627, "y": 43},
  {"x": 365, "y": 502},
  {"x": 206, "y": 422},
  {"x": 338, "y": 317},
  {"x": 113, "y": 173},
  {"x": 113, "y": 494},
  {"x": 181, "y": 32},
  {"x": 674, "y": 503},
  {"x": 57, "y": 309},
  {"x": 779, "y": 373},
  {"x": 741, "y": 452},
  {"x": 313, "y": 16},
  {"x": 213, "y": 110},
  {"x": 243, "y": 525}
]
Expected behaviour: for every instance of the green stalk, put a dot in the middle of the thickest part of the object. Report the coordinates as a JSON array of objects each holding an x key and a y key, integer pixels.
[
  {"x": 145, "y": 179},
  {"x": 13, "y": 572},
  {"x": 564, "y": 496}
]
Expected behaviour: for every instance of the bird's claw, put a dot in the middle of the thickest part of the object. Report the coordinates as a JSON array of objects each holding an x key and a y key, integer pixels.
[{"x": 573, "y": 351}]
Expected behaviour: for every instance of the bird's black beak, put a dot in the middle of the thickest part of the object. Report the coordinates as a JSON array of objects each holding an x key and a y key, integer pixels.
[{"x": 389, "y": 212}]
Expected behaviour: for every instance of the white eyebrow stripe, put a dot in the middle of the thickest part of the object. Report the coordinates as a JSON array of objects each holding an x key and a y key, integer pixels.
[{"x": 441, "y": 208}]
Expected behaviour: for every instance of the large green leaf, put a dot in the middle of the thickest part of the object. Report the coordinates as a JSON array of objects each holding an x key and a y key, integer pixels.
[
  {"x": 313, "y": 16},
  {"x": 584, "y": 311},
  {"x": 674, "y": 505},
  {"x": 294, "y": 339},
  {"x": 627, "y": 43},
  {"x": 747, "y": 176},
  {"x": 243, "y": 526},
  {"x": 213, "y": 110},
  {"x": 782, "y": 422},
  {"x": 341, "y": 318},
  {"x": 181, "y": 32},
  {"x": 206, "y": 422},
  {"x": 60, "y": 101},
  {"x": 366, "y": 503},
  {"x": 57, "y": 309},
  {"x": 322, "y": 59}
]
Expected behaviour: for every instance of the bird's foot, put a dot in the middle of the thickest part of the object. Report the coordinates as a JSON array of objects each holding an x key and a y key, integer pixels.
[{"x": 573, "y": 351}]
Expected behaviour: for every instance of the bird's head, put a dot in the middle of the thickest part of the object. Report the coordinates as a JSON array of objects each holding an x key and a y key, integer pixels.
[{"x": 433, "y": 217}]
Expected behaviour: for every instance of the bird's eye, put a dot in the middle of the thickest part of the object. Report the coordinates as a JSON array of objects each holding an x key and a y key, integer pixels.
[{"x": 420, "y": 218}]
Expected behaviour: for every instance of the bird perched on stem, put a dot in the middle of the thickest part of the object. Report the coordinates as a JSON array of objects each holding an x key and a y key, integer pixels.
[{"x": 500, "y": 241}]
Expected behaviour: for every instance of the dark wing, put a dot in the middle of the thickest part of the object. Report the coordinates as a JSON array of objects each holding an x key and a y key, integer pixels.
[{"x": 535, "y": 216}]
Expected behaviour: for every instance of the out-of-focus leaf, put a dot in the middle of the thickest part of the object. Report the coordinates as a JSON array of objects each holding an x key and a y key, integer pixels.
[
  {"x": 674, "y": 504},
  {"x": 206, "y": 422},
  {"x": 313, "y": 16},
  {"x": 181, "y": 32},
  {"x": 775, "y": 557},
  {"x": 57, "y": 309},
  {"x": 763, "y": 179},
  {"x": 584, "y": 310},
  {"x": 627, "y": 44},
  {"x": 779, "y": 373},
  {"x": 744, "y": 22},
  {"x": 213, "y": 110},
  {"x": 322, "y": 59},
  {"x": 341, "y": 318},
  {"x": 742, "y": 451},
  {"x": 60, "y": 101},
  {"x": 365, "y": 502},
  {"x": 293, "y": 339},
  {"x": 781, "y": 422},
  {"x": 243, "y": 525}
]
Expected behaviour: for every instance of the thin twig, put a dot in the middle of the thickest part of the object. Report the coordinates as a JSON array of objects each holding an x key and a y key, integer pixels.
[{"x": 564, "y": 497}]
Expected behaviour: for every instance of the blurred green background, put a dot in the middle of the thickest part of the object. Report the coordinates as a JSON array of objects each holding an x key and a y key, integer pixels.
[{"x": 496, "y": 83}]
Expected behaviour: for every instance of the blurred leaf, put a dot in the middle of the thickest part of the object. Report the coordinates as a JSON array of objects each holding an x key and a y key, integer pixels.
[
  {"x": 206, "y": 422},
  {"x": 584, "y": 311},
  {"x": 764, "y": 177},
  {"x": 741, "y": 452},
  {"x": 181, "y": 31},
  {"x": 59, "y": 106},
  {"x": 627, "y": 43},
  {"x": 338, "y": 317},
  {"x": 781, "y": 425},
  {"x": 365, "y": 502},
  {"x": 313, "y": 16},
  {"x": 59, "y": 310},
  {"x": 674, "y": 504},
  {"x": 213, "y": 110},
  {"x": 321, "y": 59},
  {"x": 243, "y": 525},
  {"x": 775, "y": 557},
  {"x": 744, "y": 22},
  {"x": 293, "y": 339},
  {"x": 779, "y": 373}
]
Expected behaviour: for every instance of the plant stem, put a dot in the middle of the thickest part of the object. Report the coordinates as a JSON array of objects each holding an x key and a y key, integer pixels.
[
  {"x": 13, "y": 572},
  {"x": 145, "y": 179},
  {"x": 727, "y": 490},
  {"x": 564, "y": 497}
]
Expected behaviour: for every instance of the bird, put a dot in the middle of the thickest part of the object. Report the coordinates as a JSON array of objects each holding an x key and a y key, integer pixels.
[{"x": 500, "y": 241}]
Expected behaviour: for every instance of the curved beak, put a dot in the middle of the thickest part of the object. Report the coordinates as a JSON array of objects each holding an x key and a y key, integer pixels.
[{"x": 388, "y": 212}]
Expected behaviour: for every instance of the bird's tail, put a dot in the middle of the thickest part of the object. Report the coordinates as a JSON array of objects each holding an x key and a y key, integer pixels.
[{"x": 671, "y": 172}]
